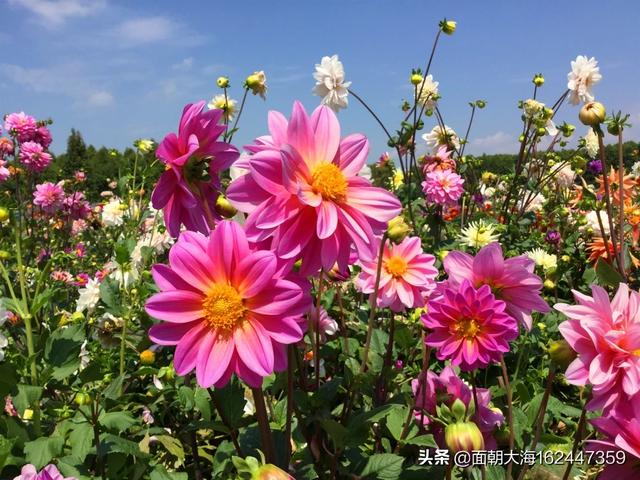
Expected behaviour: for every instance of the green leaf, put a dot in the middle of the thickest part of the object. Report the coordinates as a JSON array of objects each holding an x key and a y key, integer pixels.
[
  {"x": 8, "y": 380},
  {"x": 423, "y": 441},
  {"x": 383, "y": 466},
  {"x": 119, "y": 421},
  {"x": 62, "y": 351},
  {"x": 607, "y": 275},
  {"x": 337, "y": 432},
  {"x": 81, "y": 439},
  {"x": 203, "y": 403},
  {"x": 41, "y": 451},
  {"x": 110, "y": 295},
  {"x": 172, "y": 445},
  {"x": 113, "y": 390},
  {"x": 160, "y": 473},
  {"x": 28, "y": 397},
  {"x": 5, "y": 451},
  {"x": 395, "y": 421},
  {"x": 232, "y": 400}
]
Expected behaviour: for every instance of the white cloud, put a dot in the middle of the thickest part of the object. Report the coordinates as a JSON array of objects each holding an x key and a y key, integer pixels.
[
  {"x": 184, "y": 65},
  {"x": 150, "y": 30},
  {"x": 70, "y": 80},
  {"x": 53, "y": 13},
  {"x": 499, "y": 142}
]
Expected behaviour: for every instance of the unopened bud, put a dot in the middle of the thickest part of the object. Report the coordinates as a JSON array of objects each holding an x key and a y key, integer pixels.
[
  {"x": 592, "y": 114},
  {"x": 416, "y": 79},
  {"x": 223, "y": 82},
  {"x": 463, "y": 436},
  {"x": 397, "y": 230},
  {"x": 561, "y": 353},
  {"x": 147, "y": 357},
  {"x": 4, "y": 214},
  {"x": 224, "y": 207},
  {"x": 538, "y": 80},
  {"x": 448, "y": 27}
]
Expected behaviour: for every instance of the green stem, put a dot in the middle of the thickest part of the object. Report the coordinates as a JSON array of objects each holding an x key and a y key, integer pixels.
[
  {"x": 507, "y": 386},
  {"x": 263, "y": 423}
]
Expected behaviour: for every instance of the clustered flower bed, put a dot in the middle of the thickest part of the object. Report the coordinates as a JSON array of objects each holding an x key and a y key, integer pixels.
[{"x": 292, "y": 312}]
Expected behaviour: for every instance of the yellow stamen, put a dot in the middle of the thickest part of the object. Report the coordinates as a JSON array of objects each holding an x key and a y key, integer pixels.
[
  {"x": 328, "y": 180},
  {"x": 223, "y": 308},
  {"x": 396, "y": 266},
  {"x": 468, "y": 328}
]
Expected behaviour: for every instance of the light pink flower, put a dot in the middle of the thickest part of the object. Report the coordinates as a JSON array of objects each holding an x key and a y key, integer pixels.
[
  {"x": 185, "y": 198},
  {"x": 440, "y": 160},
  {"x": 321, "y": 319},
  {"x": 304, "y": 192},
  {"x": 50, "y": 472},
  {"x": 443, "y": 187},
  {"x": 511, "y": 280},
  {"x": 78, "y": 226},
  {"x": 431, "y": 390},
  {"x": 21, "y": 125},
  {"x": 469, "y": 326},
  {"x": 606, "y": 336},
  {"x": 406, "y": 278},
  {"x": 49, "y": 196},
  {"x": 4, "y": 171},
  {"x": 6, "y": 147},
  {"x": 79, "y": 176},
  {"x": 33, "y": 156},
  {"x": 227, "y": 307}
]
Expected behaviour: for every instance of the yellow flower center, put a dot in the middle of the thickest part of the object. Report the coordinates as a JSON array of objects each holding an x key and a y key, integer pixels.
[
  {"x": 636, "y": 352},
  {"x": 223, "y": 308},
  {"x": 328, "y": 180},
  {"x": 396, "y": 266},
  {"x": 468, "y": 328}
]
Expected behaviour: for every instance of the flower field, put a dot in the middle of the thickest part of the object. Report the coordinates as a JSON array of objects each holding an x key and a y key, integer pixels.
[{"x": 302, "y": 307}]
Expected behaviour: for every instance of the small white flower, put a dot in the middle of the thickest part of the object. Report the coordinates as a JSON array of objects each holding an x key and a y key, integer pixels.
[
  {"x": 543, "y": 259},
  {"x": 532, "y": 202},
  {"x": 84, "y": 356},
  {"x": 365, "y": 172},
  {"x": 157, "y": 241},
  {"x": 330, "y": 84},
  {"x": 147, "y": 417},
  {"x": 428, "y": 92},
  {"x": 592, "y": 221},
  {"x": 635, "y": 169},
  {"x": 220, "y": 102},
  {"x": 113, "y": 213},
  {"x": 551, "y": 128},
  {"x": 591, "y": 143},
  {"x": 478, "y": 234},
  {"x": 89, "y": 296},
  {"x": 438, "y": 136},
  {"x": 565, "y": 177},
  {"x": 125, "y": 275},
  {"x": 532, "y": 107},
  {"x": 584, "y": 74}
]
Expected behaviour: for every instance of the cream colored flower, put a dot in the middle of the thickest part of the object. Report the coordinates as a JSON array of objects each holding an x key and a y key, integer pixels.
[
  {"x": 89, "y": 296},
  {"x": 565, "y": 177},
  {"x": 226, "y": 104},
  {"x": 427, "y": 92},
  {"x": 543, "y": 259},
  {"x": 330, "y": 83},
  {"x": 584, "y": 74},
  {"x": 478, "y": 234},
  {"x": 441, "y": 136},
  {"x": 591, "y": 143},
  {"x": 532, "y": 107},
  {"x": 113, "y": 213},
  {"x": 397, "y": 180}
]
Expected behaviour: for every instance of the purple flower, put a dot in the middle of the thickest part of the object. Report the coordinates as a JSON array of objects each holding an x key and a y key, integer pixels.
[
  {"x": 595, "y": 167},
  {"x": 553, "y": 237}
]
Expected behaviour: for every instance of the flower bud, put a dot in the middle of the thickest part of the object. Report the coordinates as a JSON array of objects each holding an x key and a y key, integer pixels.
[
  {"x": 77, "y": 316},
  {"x": 82, "y": 398},
  {"x": 459, "y": 409},
  {"x": 223, "y": 82},
  {"x": 224, "y": 207},
  {"x": 4, "y": 255},
  {"x": 538, "y": 80},
  {"x": 270, "y": 472},
  {"x": 592, "y": 114},
  {"x": 4, "y": 214},
  {"x": 416, "y": 79},
  {"x": 397, "y": 230},
  {"x": 448, "y": 27},
  {"x": 463, "y": 436},
  {"x": 549, "y": 284},
  {"x": 561, "y": 353},
  {"x": 147, "y": 357},
  {"x": 257, "y": 83}
]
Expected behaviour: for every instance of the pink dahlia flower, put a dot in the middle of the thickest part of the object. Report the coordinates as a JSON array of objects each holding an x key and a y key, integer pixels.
[
  {"x": 226, "y": 307},
  {"x": 21, "y": 125},
  {"x": 621, "y": 428},
  {"x": 606, "y": 336},
  {"x": 469, "y": 326},
  {"x": 185, "y": 198},
  {"x": 303, "y": 190},
  {"x": 34, "y": 157},
  {"x": 4, "y": 171},
  {"x": 6, "y": 147},
  {"x": 512, "y": 279},
  {"x": 42, "y": 135},
  {"x": 406, "y": 278},
  {"x": 50, "y": 472},
  {"x": 431, "y": 390},
  {"x": 76, "y": 205},
  {"x": 443, "y": 187},
  {"x": 321, "y": 319},
  {"x": 440, "y": 160},
  {"x": 49, "y": 196}
]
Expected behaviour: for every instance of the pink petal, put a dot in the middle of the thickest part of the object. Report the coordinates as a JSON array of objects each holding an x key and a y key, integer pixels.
[
  {"x": 327, "y": 219},
  {"x": 176, "y": 306},
  {"x": 255, "y": 272},
  {"x": 254, "y": 347},
  {"x": 353, "y": 154},
  {"x": 213, "y": 358}
]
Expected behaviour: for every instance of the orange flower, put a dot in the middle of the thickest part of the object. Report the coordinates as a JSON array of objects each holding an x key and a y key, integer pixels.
[
  {"x": 451, "y": 213},
  {"x": 628, "y": 184},
  {"x": 597, "y": 250}
]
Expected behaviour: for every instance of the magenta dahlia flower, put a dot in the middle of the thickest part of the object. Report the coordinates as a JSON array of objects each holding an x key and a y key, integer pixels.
[
  {"x": 42, "y": 135},
  {"x": 606, "y": 336},
  {"x": 511, "y": 280},
  {"x": 469, "y": 326},
  {"x": 180, "y": 191},
  {"x": 49, "y": 196},
  {"x": 303, "y": 190},
  {"x": 21, "y": 125},
  {"x": 50, "y": 472},
  {"x": 76, "y": 206},
  {"x": 4, "y": 171},
  {"x": 33, "y": 156},
  {"x": 431, "y": 391},
  {"x": 227, "y": 307},
  {"x": 406, "y": 278},
  {"x": 443, "y": 187},
  {"x": 621, "y": 428}
]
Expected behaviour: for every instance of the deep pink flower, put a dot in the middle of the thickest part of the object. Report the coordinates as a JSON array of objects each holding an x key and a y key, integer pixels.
[
  {"x": 76, "y": 205},
  {"x": 621, "y": 428},
  {"x": 42, "y": 135},
  {"x": 185, "y": 198},
  {"x": 79, "y": 176},
  {"x": 440, "y": 160},
  {"x": 81, "y": 280},
  {"x": 443, "y": 187},
  {"x": 50, "y": 472},
  {"x": 469, "y": 326},
  {"x": 227, "y": 307},
  {"x": 431, "y": 390},
  {"x": 4, "y": 171},
  {"x": 511, "y": 280},
  {"x": 6, "y": 147},
  {"x": 33, "y": 156},
  {"x": 21, "y": 125},
  {"x": 49, "y": 196},
  {"x": 406, "y": 278},
  {"x": 304, "y": 192},
  {"x": 606, "y": 336}
]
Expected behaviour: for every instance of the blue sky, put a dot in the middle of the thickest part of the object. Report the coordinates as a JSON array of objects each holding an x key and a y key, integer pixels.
[{"x": 118, "y": 71}]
